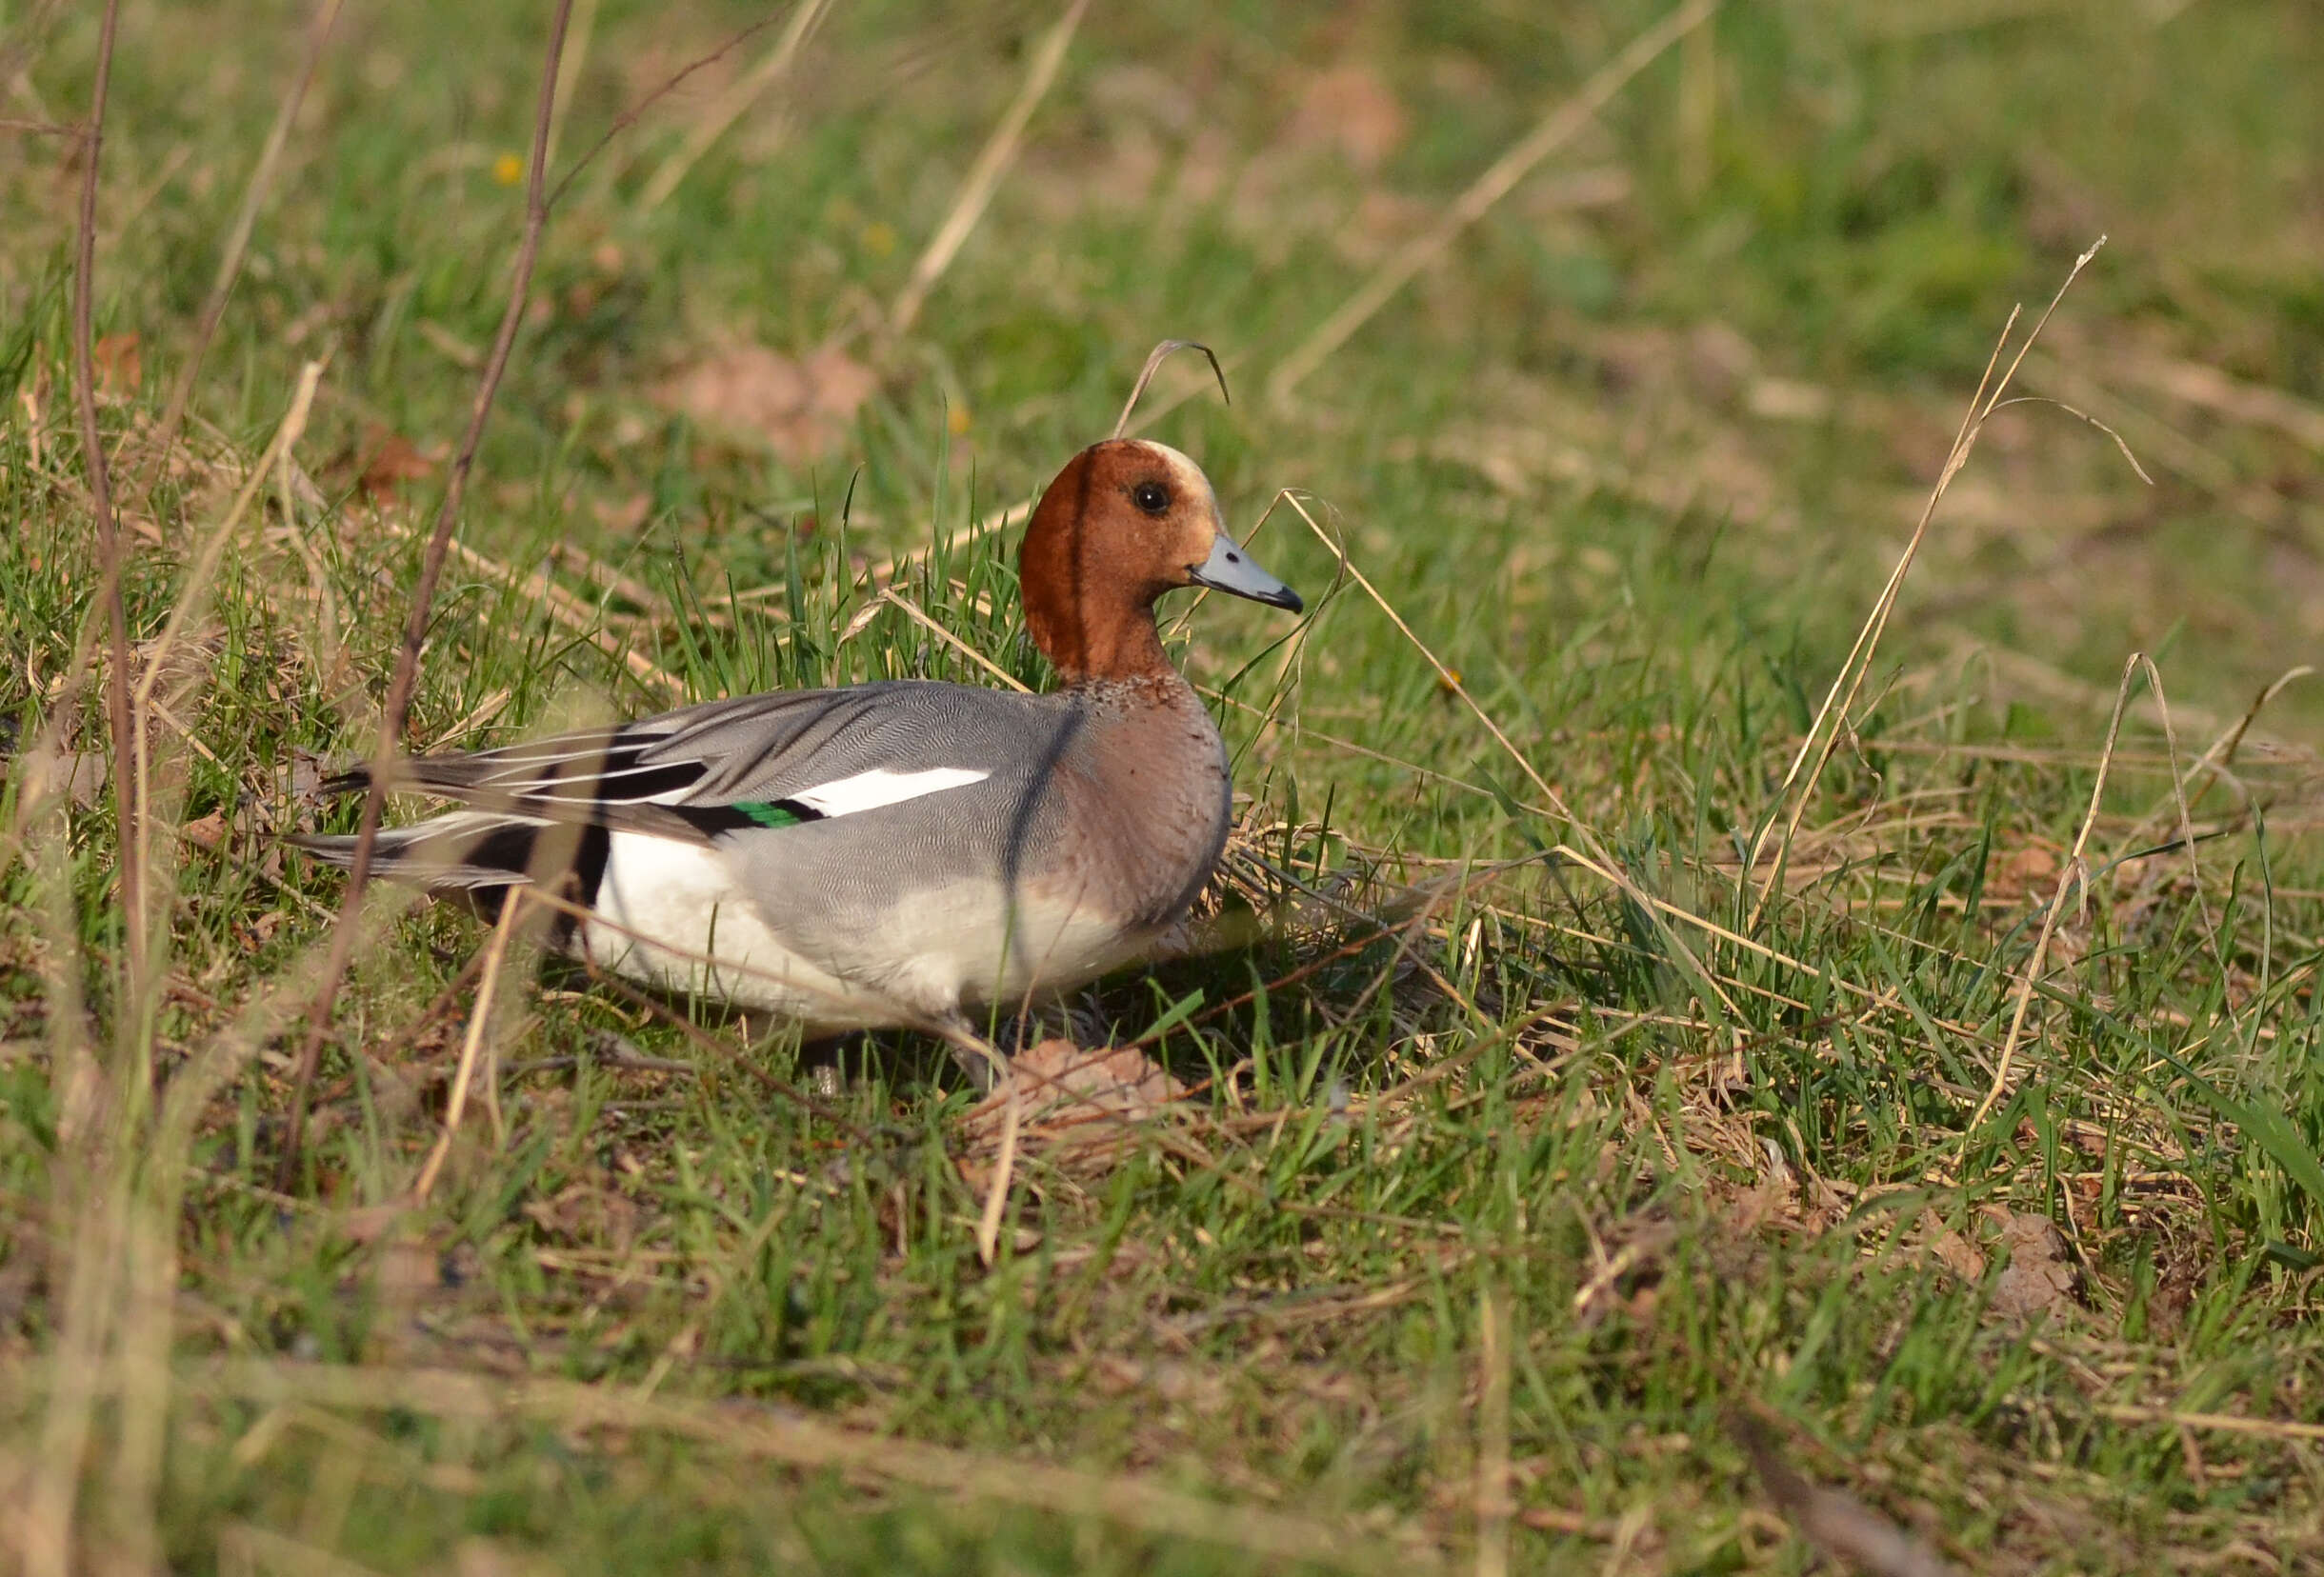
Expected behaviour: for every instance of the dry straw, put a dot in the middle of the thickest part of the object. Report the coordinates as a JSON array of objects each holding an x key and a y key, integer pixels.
[
  {"x": 1552, "y": 132},
  {"x": 984, "y": 176},
  {"x": 1831, "y": 720}
]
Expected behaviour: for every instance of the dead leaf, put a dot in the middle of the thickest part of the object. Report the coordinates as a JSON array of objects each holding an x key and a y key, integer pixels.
[
  {"x": 2038, "y": 1279},
  {"x": 81, "y": 777},
  {"x": 371, "y": 1223},
  {"x": 1956, "y": 1253},
  {"x": 408, "y": 1272},
  {"x": 1057, "y": 1079},
  {"x": 2021, "y": 871},
  {"x": 1350, "y": 110},
  {"x": 798, "y": 409},
  {"x": 305, "y": 778},
  {"x": 120, "y": 360},
  {"x": 207, "y": 832},
  {"x": 623, "y": 514},
  {"x": 584, "y": 1213},
  {"x": 390, "y": 461}
]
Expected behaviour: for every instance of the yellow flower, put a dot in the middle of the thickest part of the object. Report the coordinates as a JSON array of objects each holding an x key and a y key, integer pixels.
[
  {"x": 507, "y": 170},
  {"x": 879, "y": 238},
  {"x": 956, "y": 420}
]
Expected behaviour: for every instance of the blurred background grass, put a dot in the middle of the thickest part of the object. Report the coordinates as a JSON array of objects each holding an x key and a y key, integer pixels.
[{"x": 1634, "y": 458}]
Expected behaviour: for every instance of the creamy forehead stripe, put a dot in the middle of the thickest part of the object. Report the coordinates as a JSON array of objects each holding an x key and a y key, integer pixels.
[
  {"x": 1189, "y": 475},
  {"x": 879, "y": 786}
]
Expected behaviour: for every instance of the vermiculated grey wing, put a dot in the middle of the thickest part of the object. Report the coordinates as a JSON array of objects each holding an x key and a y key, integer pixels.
[{"x": 674, "y": 773}]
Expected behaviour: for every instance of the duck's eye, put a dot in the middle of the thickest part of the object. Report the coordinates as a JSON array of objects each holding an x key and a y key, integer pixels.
[{"x": 1151, "y": 497}]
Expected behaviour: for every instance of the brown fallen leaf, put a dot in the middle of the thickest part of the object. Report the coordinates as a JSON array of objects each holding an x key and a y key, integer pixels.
[
  {"x": 1071, "y": 1086},
  {"x": 1350, "y": 110},
  {"x": 1953, "y": 1251},
  {"x": 390, "y": 461},
  {"x": 2022, "y": 870},
  {"x": 2038, "y": 1278},
  {"x": 799, "y": 409},
  {"x": 206, "y": 831},
  {"x": 120, "y": 360},
  {"x": 82, "y": 776}
]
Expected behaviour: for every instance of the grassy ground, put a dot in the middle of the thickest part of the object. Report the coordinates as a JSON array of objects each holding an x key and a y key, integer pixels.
[{"x": 1531, "y": 1213}]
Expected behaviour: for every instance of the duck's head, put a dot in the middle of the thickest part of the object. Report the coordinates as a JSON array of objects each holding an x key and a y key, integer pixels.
[{"x": 1123, "y": 522}]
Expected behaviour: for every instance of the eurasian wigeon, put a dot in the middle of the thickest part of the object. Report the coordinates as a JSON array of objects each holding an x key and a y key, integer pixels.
[{"x": 903, "y": 852}]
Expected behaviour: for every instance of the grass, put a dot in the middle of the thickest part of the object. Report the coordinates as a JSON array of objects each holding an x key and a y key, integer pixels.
[{"x": 1532, "y": 1213}]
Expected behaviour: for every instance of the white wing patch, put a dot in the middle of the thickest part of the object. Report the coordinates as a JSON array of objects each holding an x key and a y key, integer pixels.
[{"x": 869, "y": 791}]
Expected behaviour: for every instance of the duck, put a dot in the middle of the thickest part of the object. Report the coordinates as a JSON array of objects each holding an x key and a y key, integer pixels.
[{"x": 898, "y": 853}]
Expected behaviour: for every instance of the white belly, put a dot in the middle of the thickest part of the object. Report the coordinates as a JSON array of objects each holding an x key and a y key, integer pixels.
[{"x": 668, "y": 913}]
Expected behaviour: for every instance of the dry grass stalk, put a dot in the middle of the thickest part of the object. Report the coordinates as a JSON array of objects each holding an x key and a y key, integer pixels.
[
  {"x": 1155, "y": 359},
  {"x": 42, "y": 1533},
  {"x": 912, "y": 610},
  {"x": 811, "y": 1444},
  {"x": 193, "y": 593},
  {"x": 1493, "y": 1498},
  {"x": 1596, "y": 857},
  {"x": 2213, "y": 763},
  {"x": 400, "y": 686},
  {"x": 578, "y": 616},
  {"x": 110, "y": 549},
  {"x": 1836, "y": 1521},
  {"x": 731, "y": 105},
  {"x": 1004, "y": 1161},
  {"x": 2268, "y": 1429},
  {"x": 1553, "y": 131},
  {"x": 1820, "y": 740},
  {"x": 238, "y": 240},
  {"x": 2074, "y": 872},
  {"x": 636, "y": 112},
  {"x": 569, "y": 77},
  {"x": 984, "y": 176},
  {"x": 472, "y": 1043}
]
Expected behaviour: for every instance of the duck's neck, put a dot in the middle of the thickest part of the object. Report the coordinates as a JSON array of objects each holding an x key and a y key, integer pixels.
[
  {"x": 1089, "y": 615},
  {"x": 1094, "y": 645}
]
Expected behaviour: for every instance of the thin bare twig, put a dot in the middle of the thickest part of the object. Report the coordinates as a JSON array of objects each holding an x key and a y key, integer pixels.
[
  {"x": 109, "y": 551},
  {"x": 238, "y": 239},
  {"x": 985, "y": 175},
  {"x": 423, "y": 600}
]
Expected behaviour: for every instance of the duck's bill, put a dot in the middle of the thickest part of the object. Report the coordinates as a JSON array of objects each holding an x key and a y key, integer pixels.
[{"x": 1231, "y": 570}]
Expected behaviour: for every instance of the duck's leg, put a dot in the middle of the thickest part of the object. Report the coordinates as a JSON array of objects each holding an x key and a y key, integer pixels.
[
  {"x": 983, "y": 1062},
  {"x": 824, "y": 1061}
]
